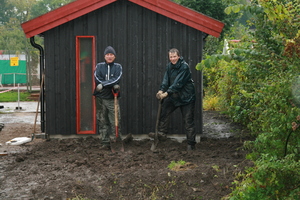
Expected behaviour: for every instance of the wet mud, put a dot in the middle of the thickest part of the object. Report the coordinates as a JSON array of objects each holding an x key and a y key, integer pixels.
[{"x": 69, "y": 168}]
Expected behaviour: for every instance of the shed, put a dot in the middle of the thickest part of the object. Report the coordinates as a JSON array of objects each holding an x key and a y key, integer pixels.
[{"x": 142, "y": 32}]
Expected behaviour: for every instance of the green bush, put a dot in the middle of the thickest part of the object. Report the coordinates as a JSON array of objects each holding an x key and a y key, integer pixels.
[
  {"x": 271, "y": 179},
  {"x": 257, "y": 84}
]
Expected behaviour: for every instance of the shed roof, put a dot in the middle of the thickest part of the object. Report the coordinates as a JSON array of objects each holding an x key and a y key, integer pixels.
[{"x": 79, "y": 8}]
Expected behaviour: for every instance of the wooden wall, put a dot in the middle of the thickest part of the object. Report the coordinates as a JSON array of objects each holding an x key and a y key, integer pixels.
[{"x": 141, "y": 39}]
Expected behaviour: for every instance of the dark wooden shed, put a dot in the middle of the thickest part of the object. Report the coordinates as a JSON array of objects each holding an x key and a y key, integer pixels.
[{"x": 142, "y": 32}]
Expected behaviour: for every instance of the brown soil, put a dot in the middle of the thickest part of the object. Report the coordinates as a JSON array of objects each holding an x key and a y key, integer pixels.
[{"x": 69, "y": 168}]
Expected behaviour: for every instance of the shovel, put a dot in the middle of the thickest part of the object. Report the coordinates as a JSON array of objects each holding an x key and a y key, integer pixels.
[
  {"x": 155, "y": 142},
  {"x": 117, "y": 144}
]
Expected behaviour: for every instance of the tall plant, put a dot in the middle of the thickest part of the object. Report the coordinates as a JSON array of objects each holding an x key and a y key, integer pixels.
[{"x": 255, "y": 82}]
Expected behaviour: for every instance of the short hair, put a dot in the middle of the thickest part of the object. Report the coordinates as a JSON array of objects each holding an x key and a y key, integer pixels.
[{"x": 174, "y": 50}]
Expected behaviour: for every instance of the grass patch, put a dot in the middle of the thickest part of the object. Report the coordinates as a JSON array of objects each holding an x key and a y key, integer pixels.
[
  {"x": 12, "y": 96},
  {"x": 174, "y": 164}
]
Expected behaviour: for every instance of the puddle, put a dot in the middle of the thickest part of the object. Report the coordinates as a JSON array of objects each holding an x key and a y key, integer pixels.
[
  {"x": 6, "y": 153},
  {"x": 24, "y": 106},
  {"x": 19, "y": 117},
  {"x": 218, "y": 130},
  {"x": 6, "y": 150}
]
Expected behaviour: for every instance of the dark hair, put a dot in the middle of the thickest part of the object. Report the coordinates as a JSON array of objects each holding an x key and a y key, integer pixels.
[{"x": 174, "y": 50}]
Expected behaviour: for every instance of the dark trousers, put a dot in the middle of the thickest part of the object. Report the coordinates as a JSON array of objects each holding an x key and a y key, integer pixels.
[{"x": 187, "y": 112}]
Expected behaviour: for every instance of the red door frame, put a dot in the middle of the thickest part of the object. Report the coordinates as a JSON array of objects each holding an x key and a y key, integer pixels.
[{"x": 78, "y": 114}]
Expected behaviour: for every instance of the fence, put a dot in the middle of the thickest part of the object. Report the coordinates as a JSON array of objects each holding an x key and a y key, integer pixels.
[
  {"x": 13, "y": 78},
  {"x": 12, "y": 75}
]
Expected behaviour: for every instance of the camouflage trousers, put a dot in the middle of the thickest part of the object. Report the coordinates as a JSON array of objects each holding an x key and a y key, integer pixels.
[{"x": 106, "y": 119}]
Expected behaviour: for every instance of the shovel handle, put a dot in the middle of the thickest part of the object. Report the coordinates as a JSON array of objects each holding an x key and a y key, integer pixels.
[
  {"x": 158, "y": 115},
  {"x": 116, "y": 93}
]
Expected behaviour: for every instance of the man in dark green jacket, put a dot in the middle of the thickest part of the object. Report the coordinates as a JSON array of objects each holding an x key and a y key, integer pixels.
[{"x": 177, "y": 91}]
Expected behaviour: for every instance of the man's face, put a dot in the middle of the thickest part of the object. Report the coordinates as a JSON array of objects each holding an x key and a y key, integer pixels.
[
  {"x": 109, "y": 58},
  {"x": 173, "y": 58}
]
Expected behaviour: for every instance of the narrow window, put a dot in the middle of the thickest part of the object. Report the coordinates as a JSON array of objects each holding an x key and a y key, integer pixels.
[{"x": 85, "y": 102}]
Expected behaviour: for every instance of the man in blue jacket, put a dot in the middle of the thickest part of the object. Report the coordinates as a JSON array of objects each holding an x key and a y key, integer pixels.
[
  {"x": 177, "y": 91},
  {"x": 107, "y": 76}
]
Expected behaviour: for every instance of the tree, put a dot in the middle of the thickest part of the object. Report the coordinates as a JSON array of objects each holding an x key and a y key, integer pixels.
[
  {"x": 21, "y": 9},
  {"x": 214, "y": 9},
  {"x": 15, "y": 12},
  {"x": 6, "y": 12},
  {"x": 12, "y": 37},
  {"x": 44, "y": 6}
]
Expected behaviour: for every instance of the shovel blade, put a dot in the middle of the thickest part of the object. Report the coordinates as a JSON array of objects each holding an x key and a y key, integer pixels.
[
  {"x": 154, "y": 143},
  {"x": 117, "y": 145}
]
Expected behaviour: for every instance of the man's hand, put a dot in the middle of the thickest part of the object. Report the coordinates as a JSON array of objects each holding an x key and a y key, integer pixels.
[
  {"x": 158, "y": 94},
  {"x": 99, "y": 87},
  {"x": 116, "y": 87},
  {"x": 163, "y": 95}
]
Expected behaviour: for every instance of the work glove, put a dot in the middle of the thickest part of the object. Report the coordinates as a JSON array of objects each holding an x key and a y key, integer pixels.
[
  {"x": 158, "y": 94},
  {"x": 163, "y": 95},
  {"x": 99, "y": 87},
  {"x": 116, "y": 87}
]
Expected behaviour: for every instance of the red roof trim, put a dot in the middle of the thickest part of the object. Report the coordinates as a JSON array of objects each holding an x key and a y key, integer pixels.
[
  {"x": 62, "y": 15},
  {"x": 78, "y": 8}
]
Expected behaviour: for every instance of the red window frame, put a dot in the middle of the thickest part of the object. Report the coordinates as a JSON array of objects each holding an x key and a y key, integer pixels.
[{"x": 78, "y": 91}]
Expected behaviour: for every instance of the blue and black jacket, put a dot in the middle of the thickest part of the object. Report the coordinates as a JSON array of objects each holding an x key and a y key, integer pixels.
[{"x": 108, "y": 75}]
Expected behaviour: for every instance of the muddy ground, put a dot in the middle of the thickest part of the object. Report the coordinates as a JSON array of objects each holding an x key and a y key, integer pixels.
[{"x": 77, "y": 169}]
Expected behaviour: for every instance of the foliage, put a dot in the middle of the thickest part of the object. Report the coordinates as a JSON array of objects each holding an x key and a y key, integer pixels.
[
  {"x": 12, "y": 96},
  {"x": 257, "y": 84},
  {"x": 6, "y": 11},
  {"x": 270, "y": 179},
  {"x": 26, "y": 10},
  {"x": 12, "y": 38},
  {"x": 211, "y": 102},
  {"x": 174, "y": 164},
  {"x": 20, "y": 9},
  {"x": 214, "y": 9},
  {"x": 43, "y": 6}
]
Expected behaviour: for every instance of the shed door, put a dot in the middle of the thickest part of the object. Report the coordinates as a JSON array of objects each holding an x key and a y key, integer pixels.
[{"x": 85, "y": 102}]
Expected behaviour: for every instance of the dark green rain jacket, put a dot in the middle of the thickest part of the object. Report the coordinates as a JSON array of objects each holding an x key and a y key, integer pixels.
[{"x": 178, "y": 83}]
